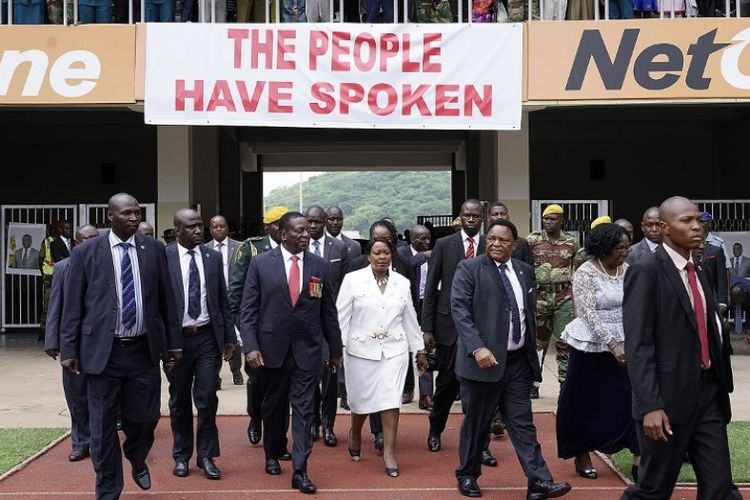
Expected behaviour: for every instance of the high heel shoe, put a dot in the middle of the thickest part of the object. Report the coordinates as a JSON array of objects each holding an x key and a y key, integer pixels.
[
  {"x": 355, "y": 454},
  {"x": 634, "y": 473},
  {"x": 391, "y": 472}
]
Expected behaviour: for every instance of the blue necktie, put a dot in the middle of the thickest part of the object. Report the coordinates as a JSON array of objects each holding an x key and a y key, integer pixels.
[
  {"x": 515, "y": 313},
  {"x": 128, "y": 288},
  {"x": 316, "y": 244},
  {"x": 194, "y": 288}
]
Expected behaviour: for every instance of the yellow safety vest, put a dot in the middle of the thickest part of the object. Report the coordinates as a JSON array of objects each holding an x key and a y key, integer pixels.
[{"x": 47, "y": 264}]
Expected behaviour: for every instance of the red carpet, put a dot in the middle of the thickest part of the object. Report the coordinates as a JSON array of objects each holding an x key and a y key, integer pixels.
[{"x": 424, "y": 475}]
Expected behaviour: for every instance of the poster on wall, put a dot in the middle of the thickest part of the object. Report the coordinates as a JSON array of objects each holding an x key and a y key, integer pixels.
[{"x": 24, "y": 244}]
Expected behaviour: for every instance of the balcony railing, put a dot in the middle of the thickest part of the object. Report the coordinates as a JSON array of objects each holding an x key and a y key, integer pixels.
[{"x": 387, "y": 11}]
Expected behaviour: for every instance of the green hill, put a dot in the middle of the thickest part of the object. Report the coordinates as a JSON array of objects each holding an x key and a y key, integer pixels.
[{"x": 368, "y": 196}]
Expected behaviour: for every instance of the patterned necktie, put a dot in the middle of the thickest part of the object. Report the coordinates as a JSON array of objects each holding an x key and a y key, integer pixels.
[
  {"x": 515, "y": 313},
  {"x": 700, "y": 315},
  {"x": 316, "y": 245},
  {"x": 294, "y": 280},
  {"x": 25, "y": 257},
  {"x": 737, "y": 265},
  {"x": 128, "y": 287},
  {"x": 194, "y": 288},
  {"x": 470, "y": 248}
]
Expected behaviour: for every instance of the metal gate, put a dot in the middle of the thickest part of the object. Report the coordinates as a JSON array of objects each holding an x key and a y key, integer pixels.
[
  {"x": 96, "y": 214},
  {"x": 578, "y": 214},
  {"x": 729, "y": 215},
  {"x": 22, "y": 294}
]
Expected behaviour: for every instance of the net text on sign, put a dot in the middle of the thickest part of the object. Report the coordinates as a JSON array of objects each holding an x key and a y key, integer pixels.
[{"x": 388, "y": 76}]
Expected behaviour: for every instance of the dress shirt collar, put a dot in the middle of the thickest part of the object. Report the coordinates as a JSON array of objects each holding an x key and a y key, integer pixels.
[
  {"x": 413, "y": 250},
  {"x": 335, "y": 237},
  {"x": 272, "y": 242},
  {"x": 509, "y": 263},
  {"x": 184, "y": 251},
  {"x": 678, "y": 260},
  {"x": 215, "y": 243},
  {"x": 288, "y": 255},
  {"x": 114, "y": 240},
  {"x": 475, "y": 238},
  {"x": 321, "y": 240},
  {"x": 651, "y": 245}
]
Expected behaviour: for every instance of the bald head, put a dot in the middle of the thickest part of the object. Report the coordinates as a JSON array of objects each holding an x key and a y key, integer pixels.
[
  {"x": 419, "y": 237},
  {"x": 124, "y": 215},
  {"x": 183, "y": 215},
  {"x": 189, "y": 227},
  {"x": 681, "y": 225},
  {"x": 627, "y": 226},
  {"x": 146, "y": 229},
  {"x": 650, "y": 225},
  {"x": 85, "y": 232}
]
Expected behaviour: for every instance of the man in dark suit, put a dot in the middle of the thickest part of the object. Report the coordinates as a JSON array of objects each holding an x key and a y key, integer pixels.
[
  {"x": 227, "y": 247},
  {"x": 288, "y": 312},
  {"x": 200, "y": 294},
  {"x": 492, "y": 302},
  {"x": 119, "y": 321},
  {"x": 245, "y": 252},
  {"x": 60, "y": 246},
  {"x": 498, "y": 210},
  {"x": 678, "y": 363},
  {"x": 418, "y": 253},
  {"x": 334, "y": 225},
  {"x": 652, "y": 236},
  {"x": 714, "y": 262},
  {"x": 739, "y": 265},
  {"x": 437, "y": 322},
  {"x": 74, "y": 386},
  {"x": 336, "y": 254}
]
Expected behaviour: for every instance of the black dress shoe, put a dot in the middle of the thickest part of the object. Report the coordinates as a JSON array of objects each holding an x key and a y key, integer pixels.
[
  {"x": 78, "y": 455},
  {"x": 286, "y": 456},
  {"x": 329, "y": 438},
  {"x": 433, "y": 442},
  {"x": 209, "y": 468},
  {"x": 254, "y": 432},
  {"x": 378, "y": 441},
  {"x": 237, "y": 379},
  {"x": 539, "y": 490},
  {"x": 301, "y": 482},
  {"x": 407, "y": 397},
  {"x": 180, "y": 468},
  {"x": 391, "y": 472},
  {"x": 468, "y": 487},
  {"x": 587, "y": 473},
  {"x": 344, "y": 405},
  {"x": 273, "y": 467},
  {"x": 315, "y": 432},
  {"x": 534, "y": 392},
  {"x": 488, "y": 459},
  {"x": 142, "y": 476}
]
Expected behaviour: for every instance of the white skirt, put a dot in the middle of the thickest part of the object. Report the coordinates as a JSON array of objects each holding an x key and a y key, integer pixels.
[{"x": 373, "y": 386}]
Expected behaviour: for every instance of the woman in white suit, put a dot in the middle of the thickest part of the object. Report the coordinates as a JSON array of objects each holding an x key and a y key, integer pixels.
[{"x": 378, "y": 329}]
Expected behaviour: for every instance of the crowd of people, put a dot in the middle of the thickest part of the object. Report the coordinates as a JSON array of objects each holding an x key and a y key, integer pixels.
[{"x": 306, "y": 309}]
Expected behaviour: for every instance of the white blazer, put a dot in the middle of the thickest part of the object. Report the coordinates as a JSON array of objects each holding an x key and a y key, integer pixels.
[{"x": 365, "y": 312}]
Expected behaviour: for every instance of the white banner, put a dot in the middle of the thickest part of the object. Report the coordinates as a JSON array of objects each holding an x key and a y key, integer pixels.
[{"x": 432, "y": 76}]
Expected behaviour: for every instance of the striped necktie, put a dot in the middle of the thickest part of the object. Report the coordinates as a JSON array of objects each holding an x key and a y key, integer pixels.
[
  {"x": 128, "y": 288},
  {"x": 194, "y": 288}
]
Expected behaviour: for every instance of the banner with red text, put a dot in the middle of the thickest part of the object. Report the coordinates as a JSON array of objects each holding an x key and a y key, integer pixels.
[{"x": 335, "y": 75}]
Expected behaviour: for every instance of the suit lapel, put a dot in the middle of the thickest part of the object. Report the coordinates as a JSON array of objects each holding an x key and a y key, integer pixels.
[
  {"x": 107, "y": 264},
  {"x": 280, "y": 271},
  {"x": 494, "y": 272},
  {"x": 307, "y": 273},
  {"x": 675, "y": 280},
  {"x": 173, "y": 261}
]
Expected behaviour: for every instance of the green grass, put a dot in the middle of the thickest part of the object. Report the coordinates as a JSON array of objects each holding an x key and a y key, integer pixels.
[
  {"x": 16, "y": 445},
  {"x": 739, "y": 452}
]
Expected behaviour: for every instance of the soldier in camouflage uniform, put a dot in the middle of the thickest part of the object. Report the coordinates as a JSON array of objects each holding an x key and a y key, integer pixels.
[
  {"x": 434, "y": 11},
  {"x": 555, "y": 256},
  {"x": 518, "y": 10},
  {"x": 245, "y": 252}
]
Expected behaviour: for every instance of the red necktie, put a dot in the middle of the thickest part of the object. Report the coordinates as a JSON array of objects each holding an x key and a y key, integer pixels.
[
  {"x": 700, "y": 315},
  {"x": 470, "y": 248},
  {"x": 294, "y": 280}
]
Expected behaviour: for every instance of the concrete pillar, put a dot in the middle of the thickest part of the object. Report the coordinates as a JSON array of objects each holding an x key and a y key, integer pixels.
[
  {"x": 174, "y": 174},
  {"x": 513, "y": 187},
  {"x": 204, "y": 143}
]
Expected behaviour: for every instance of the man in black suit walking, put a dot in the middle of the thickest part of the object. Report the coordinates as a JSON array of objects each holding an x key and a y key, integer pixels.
[
  {"x": 437, "y": 322},
  {"x": 334, "y": 225},
  {"x": 287, "y": 313},
  {"x": 498, "y": 210},
  {"x": 652, "y": 236},
  {"x": 61, "y": 246},
  {"x": 492, "y": 300},
  {"x": 200, "y": 294},
  {"x": 118, "y": 322},
  {"x": 74, "y": 385},
  {"x": 678, "y": 362},
  {"x": 336, "y": 254}
]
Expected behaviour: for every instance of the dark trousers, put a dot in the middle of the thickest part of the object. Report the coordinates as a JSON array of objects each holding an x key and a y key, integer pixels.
[
  {"x": 76, "y": 396},
  {"x": 235, "y": 362},
  {"x": 511, "y": 393},
  {"x": 196, "y": 373},
  {"x": 254, "y": 394},
  {"x": 453, "y": 4},
  {"x": 324, "y": 402},
  {"x": 446, "y": 388},
  {"x": 133, "y": 383},
  {"x": 703, "y": 437},
  {"x": 282, "y": 385},
  {"x": 122, "y": 12}
]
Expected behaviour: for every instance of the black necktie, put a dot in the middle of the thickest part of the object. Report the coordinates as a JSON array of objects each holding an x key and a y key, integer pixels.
[
  {"x": 194, "y": 288},
  {"x": 515, "y": 313}
]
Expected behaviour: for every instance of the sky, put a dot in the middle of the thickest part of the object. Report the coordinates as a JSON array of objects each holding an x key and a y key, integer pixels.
[{"x": 273, "y": 180}]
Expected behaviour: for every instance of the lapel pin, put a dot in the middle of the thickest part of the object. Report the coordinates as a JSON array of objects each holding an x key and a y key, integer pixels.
[{"x": 142, "y": 247}]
